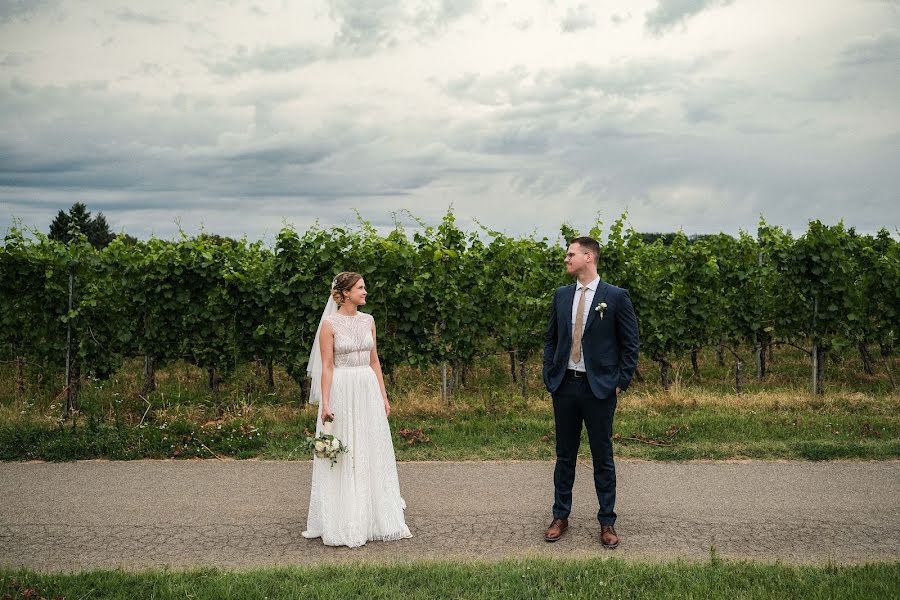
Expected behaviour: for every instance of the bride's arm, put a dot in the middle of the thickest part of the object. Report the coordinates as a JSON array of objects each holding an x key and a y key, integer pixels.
[
  {"x": 376, "y": 366},
  {"x": 326, "y": 346}
]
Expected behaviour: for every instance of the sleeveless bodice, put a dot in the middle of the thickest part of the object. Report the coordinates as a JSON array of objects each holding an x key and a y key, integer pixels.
[{"x": 352, "y": 339}]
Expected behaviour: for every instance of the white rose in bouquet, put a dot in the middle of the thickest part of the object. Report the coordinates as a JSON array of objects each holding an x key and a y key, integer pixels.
[{"x": 325, "y": 445}]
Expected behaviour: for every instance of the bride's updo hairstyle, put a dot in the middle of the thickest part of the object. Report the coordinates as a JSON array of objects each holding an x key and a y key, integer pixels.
[{"x": 343, "y": 283}]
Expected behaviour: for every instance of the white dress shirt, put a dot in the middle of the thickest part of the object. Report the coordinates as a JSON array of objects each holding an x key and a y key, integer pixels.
[{"x": 588, "y": 299}]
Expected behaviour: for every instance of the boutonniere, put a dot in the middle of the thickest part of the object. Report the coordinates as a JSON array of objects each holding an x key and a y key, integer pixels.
[{"x": 601, "y": 308}]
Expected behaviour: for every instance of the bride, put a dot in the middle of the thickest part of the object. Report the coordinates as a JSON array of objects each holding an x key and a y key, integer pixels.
[{"x": 358, "y": 499}]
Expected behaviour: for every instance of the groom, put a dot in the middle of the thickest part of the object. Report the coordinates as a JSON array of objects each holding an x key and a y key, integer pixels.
[{"x": 590, "y": 354}]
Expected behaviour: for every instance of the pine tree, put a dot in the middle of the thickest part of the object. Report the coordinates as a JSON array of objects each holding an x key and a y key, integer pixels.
[
  {"x": 98, "y": 233},
  {"x": 79, "y": 218},
  {"x": 59, "y": 228}
]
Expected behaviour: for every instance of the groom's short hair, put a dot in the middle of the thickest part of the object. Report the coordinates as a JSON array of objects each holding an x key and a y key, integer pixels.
[{"x": 589, "y": 244}]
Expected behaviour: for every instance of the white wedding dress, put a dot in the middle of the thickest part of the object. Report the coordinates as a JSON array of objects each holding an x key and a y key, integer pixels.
[{"x": 358, "y": 499}]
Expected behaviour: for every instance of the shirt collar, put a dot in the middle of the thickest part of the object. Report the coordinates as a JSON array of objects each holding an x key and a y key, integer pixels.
[{"x": 591, "y": 286}]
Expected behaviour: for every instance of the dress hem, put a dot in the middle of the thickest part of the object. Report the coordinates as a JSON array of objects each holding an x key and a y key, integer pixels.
[{"x": 390, "y": 537}]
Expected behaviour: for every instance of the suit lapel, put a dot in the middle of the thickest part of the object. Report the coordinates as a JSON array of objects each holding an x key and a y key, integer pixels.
[
  {"x": 568, "y": 297},
  {"x": 599, "y": 296}
]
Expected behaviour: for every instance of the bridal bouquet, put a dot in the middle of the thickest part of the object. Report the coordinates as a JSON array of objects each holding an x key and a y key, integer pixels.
[{"x": 325, "y": 445}]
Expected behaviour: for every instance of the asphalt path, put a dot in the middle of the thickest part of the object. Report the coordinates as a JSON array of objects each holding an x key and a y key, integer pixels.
[{"x": 239, "y": 514}]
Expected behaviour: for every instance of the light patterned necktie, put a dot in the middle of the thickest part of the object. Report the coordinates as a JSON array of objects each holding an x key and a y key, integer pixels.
[{"x": 579, "y": 325}]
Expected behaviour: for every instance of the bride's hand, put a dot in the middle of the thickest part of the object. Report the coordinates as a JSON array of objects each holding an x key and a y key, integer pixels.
[
  {"x": 387, "y": 407},
  {"x": 326, "y": 412}
]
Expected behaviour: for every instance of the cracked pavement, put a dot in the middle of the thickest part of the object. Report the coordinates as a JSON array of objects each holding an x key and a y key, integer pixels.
[{"x": 241, "y": 514}]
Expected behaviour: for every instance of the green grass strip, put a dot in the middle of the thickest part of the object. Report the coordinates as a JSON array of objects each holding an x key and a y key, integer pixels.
[
  {"x": 678, "y": 433},
  {"x": 534, "y": 578}
]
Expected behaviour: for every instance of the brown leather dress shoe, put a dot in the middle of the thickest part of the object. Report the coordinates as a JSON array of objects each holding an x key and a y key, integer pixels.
[
  {"x": 556, "y": 529},
  {"x": 608, "y": 537}
]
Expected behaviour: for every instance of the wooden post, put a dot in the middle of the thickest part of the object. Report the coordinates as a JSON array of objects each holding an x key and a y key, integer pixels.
[
  {"x": 214, "y": 381},
  {"x": 149, "y": 375},
  {"x": 763, "y": 350},
  {"x": 866, "y": 358},
  {"x": 305, "y": 382},
  {"x": 69, "y": 397},
  {"x": 815, "y": 349},
  {"x": 815, "y": 367},
  {"x": 523, "y": 381},
  {"x": 234, "y": 344},
  {"x": 20, "y": 376},
  {"x": 664, "y": 365},
  {"x": 820, "y": 369},
  {"x": 444, "y": 396},
  {"x": 887, "y": 367},
  {"x": 760, "y": 368}
]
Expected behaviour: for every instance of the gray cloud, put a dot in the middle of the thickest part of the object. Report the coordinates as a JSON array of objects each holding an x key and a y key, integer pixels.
[
  {"x": 711, "y": 100},
  {"x": 864, "y": 70},
  {"x": 130, "y": 16},
  {"x": 630, "y": 79},
  {"x": 14, "y": 59},
  {"x": 438, "y": 15},
  {"x": 669, "y": 13},
  {"x": 363, "y": 27},
  {"x": 271, "y": 59},
  {"x": 150, "y": 69},
  {"x": 568, "y": 136},
  {"x": 24, "y": 10},
  {"x": 677, "y": 137},
  {"x": 578, "y": 18},
  {"x": 368, "y": 25},
  {"x": 523, "y": 24},
  {"x": 699, "y": 112},
  {"x": 141, "y": 147},
  {"x": 883, "y": 49}
]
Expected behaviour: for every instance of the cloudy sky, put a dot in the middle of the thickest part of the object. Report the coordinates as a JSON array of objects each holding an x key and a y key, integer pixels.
[{"x": 238, "y": 117}]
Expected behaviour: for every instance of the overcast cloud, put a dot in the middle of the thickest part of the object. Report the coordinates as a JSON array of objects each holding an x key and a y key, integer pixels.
[{"x": 238, "y": 118}]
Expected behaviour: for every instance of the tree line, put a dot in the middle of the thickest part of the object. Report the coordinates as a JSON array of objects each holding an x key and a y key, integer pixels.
[{"x": 440, "y": 296}]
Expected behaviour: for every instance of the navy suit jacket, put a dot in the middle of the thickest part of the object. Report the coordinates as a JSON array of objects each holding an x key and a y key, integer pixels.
[{"x": 610, "y": 345}]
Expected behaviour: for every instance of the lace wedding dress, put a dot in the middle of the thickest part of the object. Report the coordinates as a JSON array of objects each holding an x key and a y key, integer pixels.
[{"x": 358, "y": 499}]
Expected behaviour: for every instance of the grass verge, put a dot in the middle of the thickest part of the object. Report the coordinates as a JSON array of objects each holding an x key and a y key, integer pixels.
[
  {"x": 487, "y": 418},
  {"x": 535, "y": 578},
  {"x": 668, "y": 430}
]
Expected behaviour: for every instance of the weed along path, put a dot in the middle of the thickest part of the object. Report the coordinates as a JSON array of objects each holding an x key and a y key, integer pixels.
[{"x": 139, "y": 514}]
